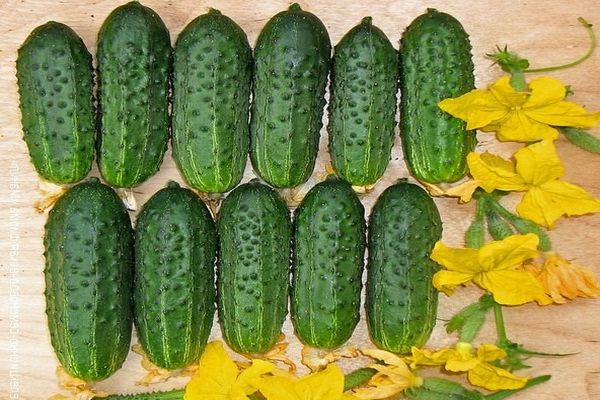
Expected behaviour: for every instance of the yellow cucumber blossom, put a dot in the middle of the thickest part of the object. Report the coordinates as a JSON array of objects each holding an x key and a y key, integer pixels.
[
  {"x": 564, "y": 280},
  {"x": 520, "y": 116},
  {"x": 325, "y": 385},
  {"x": 393, "y": 376},
  {"x": 536, "y": 170},
  {"x": 462, "y": 358},
  {"x": 496, "y": 267},
  {"x": 218, "y": 377}
]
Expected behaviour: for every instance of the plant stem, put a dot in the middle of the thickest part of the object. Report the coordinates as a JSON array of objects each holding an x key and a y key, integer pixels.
[
  {"x": 581, "y": 59},
  {"x": 500, "y": 328}
]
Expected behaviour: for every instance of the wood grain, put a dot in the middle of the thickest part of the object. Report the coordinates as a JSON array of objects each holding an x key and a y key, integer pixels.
[{"x": 545, "y": 31}]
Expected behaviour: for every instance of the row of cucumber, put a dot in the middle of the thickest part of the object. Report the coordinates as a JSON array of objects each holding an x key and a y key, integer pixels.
[
  {"x": 208, "y": 78},
  {"x": 102, "y": 276}
]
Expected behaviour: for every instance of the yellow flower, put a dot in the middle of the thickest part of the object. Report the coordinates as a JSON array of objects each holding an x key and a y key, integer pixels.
[
  {"x": 563, "y": 280},
  {"x": 520, "y": 116},
  {"x": 218, "y": 378},
  {"x": 325, "y": 385},
  {"x": 535, "y": 171},
  {"x": 392, "y": 377},
  {"x": 479, "y": 370},
  {"x": 496, "y": 267}
]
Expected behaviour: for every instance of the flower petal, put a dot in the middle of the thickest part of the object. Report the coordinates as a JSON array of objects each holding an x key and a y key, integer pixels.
[
  {"x": 508, "y": 253},
  {"x": 512, "y": 288},
  {"x": 493, "y": 378},
  {"x": 544, "y": 91},
  {"x": 493, "y": 172},
  {"x": 520, "y": 127},
  {"x": 428, "y": 357},
  {"x": 464, "y": 191},
  {"x": 455, "y": 258},
  {"x": 279, "y": 388},
  {"x": 447, "y": 281},
  {"x": 385, "y": 356},
  {"x": 249, "y": 379},
  {"x": 490, "y": 352},
  {"x": 506, "y": 95},
  {"x": 564, "y": 280},
  {"x": 215, "y": 376},
  {"x": 565, "y": 113},
  {"x": 478, "y": 107},
  {"x": 327, "y": 384},
  {"x": 548, "y": 202},
  {"x": 539, "y": 163}
]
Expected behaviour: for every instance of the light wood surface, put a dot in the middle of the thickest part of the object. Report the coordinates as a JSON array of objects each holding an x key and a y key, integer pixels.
[{"x": 545, "y": 31}]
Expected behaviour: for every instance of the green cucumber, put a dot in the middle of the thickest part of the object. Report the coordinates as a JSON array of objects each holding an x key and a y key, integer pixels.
[
  {"x": 89, "y": 262},
  {"x": 211, "y": 95},
  {"x": 134, "y": 68},
  {"x": 435, "y": 64},
  {"x": 401, "y": 302},
  {"x": 292, "y": 57},
  {"x": 174, "y": 291},
  {"x": 328, "y": 260},
  {"x": 362, "y": 110},
  {"x": 55, "y": 80},
  {"x": 253, "y": 269}
]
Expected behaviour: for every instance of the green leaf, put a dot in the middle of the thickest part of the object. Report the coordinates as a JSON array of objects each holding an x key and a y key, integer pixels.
[
  {"x": 468, "y": 321},
  {"x": 516, "y": 354},
  {"x": 442, "y": 389},
  {"x": 582, "y": 139},
  {"x": 358, "y": 377}
]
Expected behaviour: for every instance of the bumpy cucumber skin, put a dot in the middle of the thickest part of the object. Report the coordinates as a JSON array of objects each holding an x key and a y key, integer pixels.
[
  {"x": 55, "y": 80},
  {"x": 174, "y": 291},
  {"x": 362, "y": 109},
  {"x": 89, "y": 262},
  {"x": 328, "y": 260},
  {"x": 134, "y": 68},
  {"x": 211, "y": 95},
  {"x": 401, "y": 302},
  {"x": 253, "y": 270},
  {"x": 435, "y": 63},
  {"x": 292, "y": 58}
]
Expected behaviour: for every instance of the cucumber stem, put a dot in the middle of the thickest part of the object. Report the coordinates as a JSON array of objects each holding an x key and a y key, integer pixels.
[{"x": 581, "y": 59}]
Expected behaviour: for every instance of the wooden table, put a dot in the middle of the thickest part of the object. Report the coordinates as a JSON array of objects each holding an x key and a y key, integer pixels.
[{"x": 545, "y": 31}]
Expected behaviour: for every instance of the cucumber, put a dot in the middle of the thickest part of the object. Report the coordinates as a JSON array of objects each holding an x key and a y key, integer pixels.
[
  {"x": 328, "y": 260},
  {"x": 211, "y": 95},
  {"x": 174, "y": 290},
  {"x": 362, "y": 109},
  {"x": 253, "y": 269},
  {"x": 435, "y": 64},
  {"x": 89, "y": 262},
  {"x": 55, "y": 80},
  {"x": 401, "y": 302},
  {"x": 292, "y": 57},
  {"x": 134, "y": 68}
]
